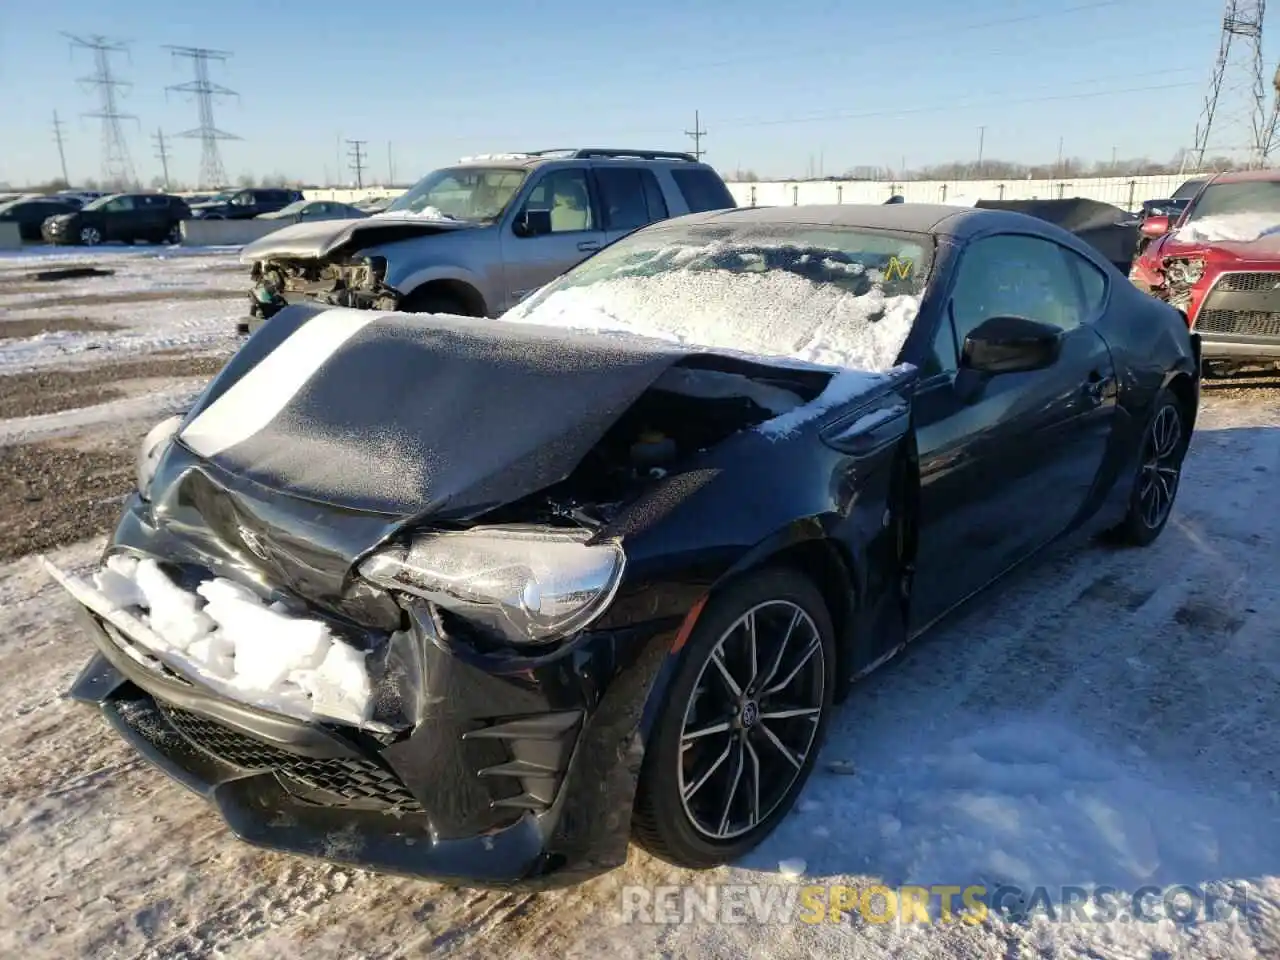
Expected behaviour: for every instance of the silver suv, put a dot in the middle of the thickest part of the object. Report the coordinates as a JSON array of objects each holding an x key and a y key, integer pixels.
[{"x": 478, "y": 237}]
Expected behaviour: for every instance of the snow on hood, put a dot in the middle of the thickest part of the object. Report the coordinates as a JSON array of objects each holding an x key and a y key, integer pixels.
[
  {"x": 772, "y": 316},
  {"x": 1230, "y": 228},
  {"x": 426, "y": 213}
]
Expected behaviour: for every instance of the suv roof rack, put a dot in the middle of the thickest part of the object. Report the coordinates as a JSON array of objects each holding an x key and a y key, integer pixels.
[{"x": 612, "y": 153}]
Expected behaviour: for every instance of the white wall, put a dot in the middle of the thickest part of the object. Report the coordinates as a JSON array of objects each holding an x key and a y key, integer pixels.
[
  {"x": 1126, "y": 192},
  {"x": 227, "y": 233}
]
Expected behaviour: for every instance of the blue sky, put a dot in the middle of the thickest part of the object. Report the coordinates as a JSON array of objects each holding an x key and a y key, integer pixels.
[{"x": 778, "y": 86}]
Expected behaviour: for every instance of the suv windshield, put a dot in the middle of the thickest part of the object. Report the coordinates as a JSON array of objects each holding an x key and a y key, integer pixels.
[
  {"x": 461, "y": 193},
  {"x": 1248, "y": 196},
  {"x": 837, "y": 296},
  {"x": 1188, "y": 189}
]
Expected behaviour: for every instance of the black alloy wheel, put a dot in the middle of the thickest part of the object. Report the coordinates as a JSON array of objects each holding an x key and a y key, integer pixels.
[{"x": 742, "y": 723}]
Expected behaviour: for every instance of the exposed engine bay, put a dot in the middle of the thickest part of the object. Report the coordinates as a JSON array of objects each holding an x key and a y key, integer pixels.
[
  {"x": 355, "y": 282},
  {"x": 687, "y": 411}
]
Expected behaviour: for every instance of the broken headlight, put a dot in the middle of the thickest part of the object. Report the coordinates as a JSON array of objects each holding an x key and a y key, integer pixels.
[
  {"x": 527, "y": 584},
  {"x": 1183, "y": 271},
  {"x": 152, "y": 448}
]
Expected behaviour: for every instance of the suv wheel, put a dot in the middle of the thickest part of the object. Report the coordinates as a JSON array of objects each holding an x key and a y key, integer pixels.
[{"x": 90, "y": 236}]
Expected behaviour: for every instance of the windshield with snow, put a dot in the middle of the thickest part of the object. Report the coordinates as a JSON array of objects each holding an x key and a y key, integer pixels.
[
  {"x": 478, "y": 194},
  {"x": 836, "y": 296},
  {"x": 1251, "y": 196}
]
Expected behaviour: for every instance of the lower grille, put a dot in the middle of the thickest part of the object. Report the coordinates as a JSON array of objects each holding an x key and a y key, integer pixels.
[
  {"x": 1255, "y": 323},
  {"x": 353, "y": 780}
]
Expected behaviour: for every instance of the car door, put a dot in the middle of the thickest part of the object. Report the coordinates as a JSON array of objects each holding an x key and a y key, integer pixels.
[
  {"x": 1006, "y": 461},
  {"x": 120, "y": 218},
  {"x": 630, "y": 198},
  {"x": 153, "y": 220},
  {"x": 529, "y": 262}
]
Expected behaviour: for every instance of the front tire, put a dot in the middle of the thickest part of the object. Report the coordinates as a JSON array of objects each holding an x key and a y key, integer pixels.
[
  {"x": 1164, "y": 447},
  {"x": 90, "y": 236},
  {"x": 742, "y": 724}
]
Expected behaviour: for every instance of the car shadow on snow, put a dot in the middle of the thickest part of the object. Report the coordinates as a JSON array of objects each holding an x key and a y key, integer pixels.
[{"x": 1104, "y": 717}]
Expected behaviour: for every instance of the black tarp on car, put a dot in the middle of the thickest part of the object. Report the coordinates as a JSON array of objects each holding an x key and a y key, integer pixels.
[{"x": 1111, "y": 231}]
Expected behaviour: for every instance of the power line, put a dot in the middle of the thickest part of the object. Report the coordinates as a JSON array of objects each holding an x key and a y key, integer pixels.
[
  {"x": 162, "y": 154},
  {"x": 357, "y": 160},
  {"x": 697, "y": 133},
  {"x": 212, "y": 173},
  {"x": 62, "y": 153},
  {"x": 117, "y": 167}
]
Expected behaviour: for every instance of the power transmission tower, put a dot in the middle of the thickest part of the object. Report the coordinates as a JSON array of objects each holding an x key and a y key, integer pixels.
[
  {"x": 357, "y": 160},
  {"x": 1237, "y": 89},
  {"x": 162, "y": 154},
  {"x": 212, "y": 173},
  {"x": 117, "y": 167},
  {"x": 697, "y": 133},
  {"x": 62, "y": 153}
]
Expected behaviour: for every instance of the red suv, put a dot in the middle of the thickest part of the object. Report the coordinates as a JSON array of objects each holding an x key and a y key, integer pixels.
[{"x": 1219, "y": 263}]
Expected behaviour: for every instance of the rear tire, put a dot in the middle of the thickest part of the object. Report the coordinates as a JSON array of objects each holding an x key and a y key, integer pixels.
[
  {"x": 1155, "y": 488},
  {"x": 722, "y": 769}
]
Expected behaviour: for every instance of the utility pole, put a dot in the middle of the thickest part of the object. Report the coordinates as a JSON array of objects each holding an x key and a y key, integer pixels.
[
  {"x": 62, "y": 153},
  {"x": 1113, "y": 160},
  {"x": 982, "y": 135},
  {"x": 1060, "y": 156},
  {"x": 162, "y": 154},
  {"x": 698, "y": 133},
  {"x": 357, "y": 160},
  {"x": 391, "y": 167},
  {"x": 117, "y": 167}
]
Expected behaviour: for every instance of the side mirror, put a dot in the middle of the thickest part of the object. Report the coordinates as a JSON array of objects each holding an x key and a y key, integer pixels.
[
  {"x": 1010, "y": 345},
  {"x": 533, "y": 223},
  {"x": 1154, "y": 227}
]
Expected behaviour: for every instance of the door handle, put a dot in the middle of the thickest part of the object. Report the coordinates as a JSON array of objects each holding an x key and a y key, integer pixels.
[{"x": 589, "y": 245}]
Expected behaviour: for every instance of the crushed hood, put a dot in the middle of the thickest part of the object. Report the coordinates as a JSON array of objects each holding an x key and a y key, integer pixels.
[
  {"x": 307, "y": 241},
  {"x": 404, "y": 415}
]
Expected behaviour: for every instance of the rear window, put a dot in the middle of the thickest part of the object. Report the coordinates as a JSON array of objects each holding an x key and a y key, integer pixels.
[{"x": 702, "y": 189}]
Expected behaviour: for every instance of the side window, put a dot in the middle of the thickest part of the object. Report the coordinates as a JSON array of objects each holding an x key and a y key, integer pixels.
[
  {"x": 564, "y": 193},
  {"x": 1093, "y": 283},
  {"x": 1018, "y": 276},
  {"x": 702, "y": 189},
  {"x": 244, "y": 199},
  {"x": 627, "y": 196},
  {"x": 119, "y": 205}
]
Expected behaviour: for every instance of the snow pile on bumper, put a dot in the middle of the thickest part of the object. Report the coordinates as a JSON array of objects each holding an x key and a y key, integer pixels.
[{"x": 227, "y": 638}]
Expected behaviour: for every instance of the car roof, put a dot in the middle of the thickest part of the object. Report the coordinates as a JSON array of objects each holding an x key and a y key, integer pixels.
[
  {"x": 603, "y": 155},
  {"x": 1243, "y": 176},
  {"x": 937, "y": 219}
]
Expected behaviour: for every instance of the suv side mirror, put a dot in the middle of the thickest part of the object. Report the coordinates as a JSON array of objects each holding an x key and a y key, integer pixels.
[
  {"x": 1156, "y": 226},
  {"x": 532, "y": 223},
  {"x": 1010, "y": 345}
]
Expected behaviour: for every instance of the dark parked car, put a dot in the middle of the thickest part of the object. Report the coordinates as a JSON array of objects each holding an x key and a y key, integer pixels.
[
  {"x": 29, "y": 215},
  {"x": 533, "y": 591},
  {"x": 244, "y": 204},
  {"x": 1171, "y": 207},
  {"x": 128, "y": 217}
]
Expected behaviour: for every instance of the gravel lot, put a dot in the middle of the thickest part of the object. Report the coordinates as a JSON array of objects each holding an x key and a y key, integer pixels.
[{"x": 1108, "y": 717}]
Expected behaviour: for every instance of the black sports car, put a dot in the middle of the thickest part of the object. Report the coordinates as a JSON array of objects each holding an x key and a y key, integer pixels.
[{"x": 487, "y": 599}]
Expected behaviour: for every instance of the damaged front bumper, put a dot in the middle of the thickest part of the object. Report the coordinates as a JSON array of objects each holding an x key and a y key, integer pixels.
[{"x": 510, "y": 773}]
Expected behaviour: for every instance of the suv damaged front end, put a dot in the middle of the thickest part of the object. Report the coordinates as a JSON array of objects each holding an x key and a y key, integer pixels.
[
  {"x": 420, "y": 636},
  {"x": 355, "y": 281}
]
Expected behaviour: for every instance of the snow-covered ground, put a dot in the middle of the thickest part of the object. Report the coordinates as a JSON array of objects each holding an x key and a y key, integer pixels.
[
  {"x": 159, "y": 298},
  {"x": 1107, "y": 717}
]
